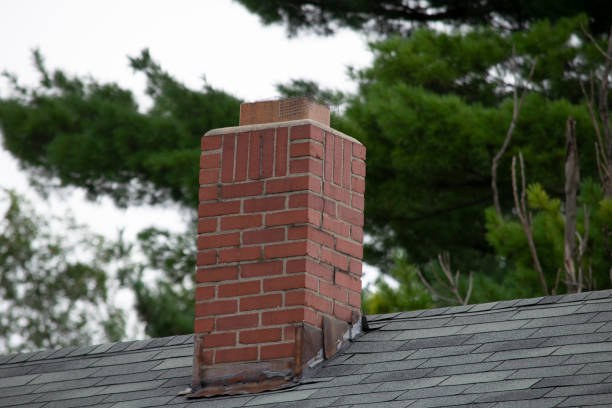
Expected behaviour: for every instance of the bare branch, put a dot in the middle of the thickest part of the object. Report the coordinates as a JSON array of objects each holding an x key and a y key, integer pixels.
[
  {"x": 572, "y": 179},
  {"x": 515, "y": 112},
  {"x": 594, "y": 42},
  {"x": 521, "y": 212},
  {"x": 432, "y": 290}
]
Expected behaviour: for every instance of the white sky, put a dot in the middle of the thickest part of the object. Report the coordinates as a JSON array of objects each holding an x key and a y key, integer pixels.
[{"x": 190, "y": 38}]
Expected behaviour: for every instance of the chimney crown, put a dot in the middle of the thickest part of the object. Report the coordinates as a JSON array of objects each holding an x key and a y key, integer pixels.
[{"x": 283, "y": 110}]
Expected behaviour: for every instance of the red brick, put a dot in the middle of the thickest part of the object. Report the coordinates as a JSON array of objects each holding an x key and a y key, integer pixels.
[
  {"x": 212, "y": 209},
  {"x": 261, "y": 302},
  {"x": 261, "y": 269},
  {"x": 355, "y": 267},
  {"x": 308, "y": 232},
  {"x": 358, "y": 185},
  {"x": 218, "y": 240},
  {"x": 306, "y": 200},
  {"x": 204, "y": 293},
  {"x": 219, "y": 340},
  {"x": 291, "y": 249},
  {"x": 357, "y": 234},
  {"x": 337, "y": 160},
  {"x": 206, "y": 258},
  {"x": 219, "y": 307},
  {"x": 264, "y": 204},
  {"x": 311, "y": 149},
  {"x": 235, "y": 354},
  {"x": 289, "y": 332},
  {"x": 333, "y": 291},
  {"x": 346, "y": 164},
  {"x": 282, "y": 316},
  {"x": 359, "y": 151},
  {"x": 343, "y": 313},
  {"x": 330, "y": 208},
  {"x": 207, "y": 357},
  {"x": 329, "y": 157},
  {"x": 301, "y": 281},
  {"x": 242, "y": 189},
  {"x": 334, "y": 259},
  {"x": 260, "y": 335},
  {"x": 263, "y": 236},
  {"x": 281, "y": 152},
  {"x": 203, "y": 325},
  {"x": 277, "y": 351},
  {"x": 254, "y": 166},
  {"x": 335, "y": 226},
  {"x": 293, "y": 217},
  {"x": 357, "y": 202},
  {"x": 306, "y": 132},
  {"x": 349, "y": 248},
  {"x": 239, "y": 254},
  {"x": 337, "y": 193},
  {"x": 210, "y": 161},
  {"x": 306, "y": 265},
  {"x": 211, "y": 142},
  {"x": 306, "y": 166},
  {"x": 354, "y": 299},
  {"x": 245, "y": 321},
  {"x": 305, "y": 298},
  {"x": 208, "y": 193},
  {"x": 350, "y": 215},
  {"x": 359, "y": 168},
  {"x": 217, "y": 274},
  {"x": 241, "y": 222},
  {"x": 239, "y": 289},
  {"x": 267, "y": 154},
  {"x": 229, "y": 150},
  {"x": 242, "y": 156},
  {"x": 296, "y": 183},
  {"x": 210, "y": 176},
  {"x": 348, "y": 282},
  {"x": 207, "y": 225}
]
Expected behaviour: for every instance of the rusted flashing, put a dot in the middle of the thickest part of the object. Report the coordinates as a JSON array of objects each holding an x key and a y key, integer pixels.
[{"x": 333, "y": 335}]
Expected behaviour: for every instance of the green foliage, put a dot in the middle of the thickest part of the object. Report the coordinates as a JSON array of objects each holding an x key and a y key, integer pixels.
[
  {"x": 53, "y": 286},
  {"x": 92, "y": 135},
  {"x": 388, "y": 16},
  {"x": 162, "y": 279},
  {"x": 409, "y": 295}
]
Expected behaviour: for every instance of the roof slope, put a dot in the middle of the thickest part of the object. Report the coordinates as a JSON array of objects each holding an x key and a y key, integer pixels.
[{"x": 543, "y": 352}]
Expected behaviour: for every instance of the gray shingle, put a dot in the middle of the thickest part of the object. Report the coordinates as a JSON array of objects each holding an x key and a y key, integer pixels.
[
  {"x": 490, "y": 327},
  {"x": 376, "y": 335},
  {"x": 595, "y": 368},
  {"x": 497, "y": 386},
  {"x": 465, "y": 368},
  {"x": 15, "y": 400},
  {"x": 175, "y": 363},
  {"x": 334, "y": 371},
  {"x": 596, "y": 307},
  {"x": 528, "y": 302},
  {"x": 422, "y": 333},
  {"x": 64, "y": 375},
  {"x": 14, "y": 371},
  {"x": 526, "y": 353},
  {"x": 443, "y": 401},
  {"x": 398, "y": 375},
  {"x": 532, "y": 362},
  {"x": 482, "y": 307},
  {"x": 376, "y": 358},
  {"x": 589, "y": 358},
  {"x": 144, "y": 402},
  {"x": 438, "y": 391},
  {"x": 583, "y": 348},
  {"x": 514, "y": 395},
  {"x": 344, "y": 390},
  {"x": 389, "y": 316},
  {"x": 479, "y": 318},
  {"x": 442, "y": 351},
  {"x": 127, "y": 378},
  {"x": 567, "y": 330},
  {"x": 368, "y": 398},
  {"x": 67, "y": 385},
  {"x": 49, "y": 366},
  {"x": 374, "y": 346},
  {"x": 476, "y": 377},
  {"x": 533, "y": 403},
  {"x": 500, "y": 336},
  {"x": 69, "y": 394},
  {"x": 583, "y": 389},
  {"x": 120, "y": 369},
  {"x": 435, "y": 342},
  {"x": 572, "y": 380},
  {"x": 455, "y": 360},
  {"x": 544, "y": 372},
  {"x": 417, "y": 324},
  {"x": 509, "y": 345},
  {"x": 389, "y": 366},
  {"x": 560, "y": 320},
  {"x": 126, "y": 358},
  {"x": 576, "y": 339},
  {"x": 584, "y": 400},
  {"x": 599, "y": 317},
  {"x": 15, "y": 381},
  {"x": 410, "y": 384}
]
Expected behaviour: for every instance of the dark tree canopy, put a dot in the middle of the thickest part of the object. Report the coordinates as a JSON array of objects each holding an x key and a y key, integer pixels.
[{"x": 393, "y": 16}]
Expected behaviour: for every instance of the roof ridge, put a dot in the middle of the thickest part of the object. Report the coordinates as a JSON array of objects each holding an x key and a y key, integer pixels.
[
  {"x": 96, "y": 349},
  {"x": 491, "y": 307}
]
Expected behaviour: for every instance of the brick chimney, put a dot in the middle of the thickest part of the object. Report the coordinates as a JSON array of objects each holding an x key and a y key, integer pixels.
[{"x": 280, "y": 235}]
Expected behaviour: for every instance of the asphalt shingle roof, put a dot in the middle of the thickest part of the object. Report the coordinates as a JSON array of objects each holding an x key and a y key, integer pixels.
[{"x": 544, "y": 352}]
